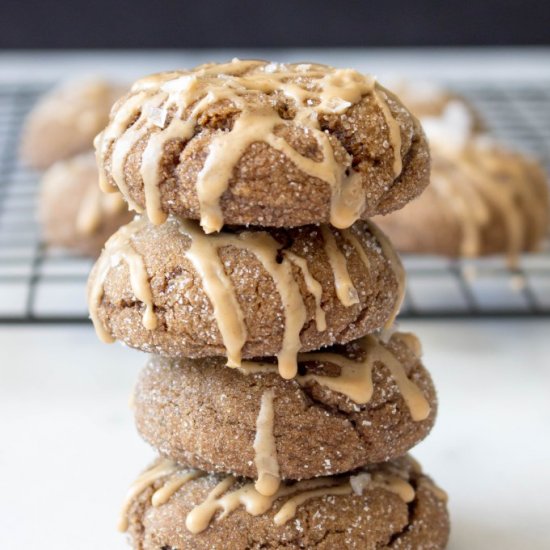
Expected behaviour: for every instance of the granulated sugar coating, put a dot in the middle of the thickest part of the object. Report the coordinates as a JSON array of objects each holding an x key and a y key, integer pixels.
[
  {"x": 186, "y": 324},
  {"x": 369, "y": 515},
  {"x": 252, "y": 143},
  {"x": 201, "y": 413}
]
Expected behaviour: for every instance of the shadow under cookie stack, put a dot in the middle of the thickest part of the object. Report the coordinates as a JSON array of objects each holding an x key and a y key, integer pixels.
[{"x": 280, "y": 401}]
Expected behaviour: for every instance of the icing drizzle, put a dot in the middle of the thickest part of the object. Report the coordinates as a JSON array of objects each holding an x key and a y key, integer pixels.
[
  {"x": 355, "y": 379},
  {"x": 264, "y": 446},
  {"x": 94, "y": 206},
  {"x": 121, "y": 250},
  {"x": 478, "y": 178},
  {"x": 174, "y": 478},
  {"x": 168, "y": 106},
  {"x": 169, "y": 479},
  {"x": 266, "y": 249}
]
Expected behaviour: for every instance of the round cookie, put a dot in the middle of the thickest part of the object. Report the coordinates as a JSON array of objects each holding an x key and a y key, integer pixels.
[
  {"x": 173, "y": 290},
  {"x": 483, "y": 200},
  {"x": 65, "y": 121},
  {"x": 364, "y": 403},
  {"x": 72, "y": 210},
  {"x": 257, "y": 143},
  {"x": 386, "y": 506},
  {"x": 428, "y": 100}
]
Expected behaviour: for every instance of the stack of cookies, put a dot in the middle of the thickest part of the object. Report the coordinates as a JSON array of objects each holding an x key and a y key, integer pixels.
[{"x": 280, "y": 400}]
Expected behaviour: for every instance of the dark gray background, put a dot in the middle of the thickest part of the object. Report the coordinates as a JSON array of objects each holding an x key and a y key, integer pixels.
[{"x": 274, "y": 23}]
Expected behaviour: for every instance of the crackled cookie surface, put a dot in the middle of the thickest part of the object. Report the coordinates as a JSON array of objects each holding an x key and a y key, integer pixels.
[
  {"x": 73, "y": 211},
  {"x": 386, "y": 506},
  {"x": 348, "y": 406},
  {"x": 173, "y": 290},
  {"x": 483, "y": 199},
  {"x": 65, "y": 121},
  {"x": 257, "y": 143}
]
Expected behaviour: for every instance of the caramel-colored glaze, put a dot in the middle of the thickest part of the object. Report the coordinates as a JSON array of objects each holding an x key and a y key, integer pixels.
[
  {"x": 346, "y": 292},
  {"x": 478, "y": 178},
  {"x": 265, "y": 458},
  {"x": 121, "y": 250},
  {"x": 355, "y": 379},
  {"x": 95, "y": 205},
  {"x": 222, "y": 499}
]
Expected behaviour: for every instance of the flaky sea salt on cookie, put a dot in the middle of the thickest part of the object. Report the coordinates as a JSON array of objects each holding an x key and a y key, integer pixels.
[
  {"x": 171, "y": 289},
  {"x": 348, "y": 406},
  {"x": 257, "y": 143},
  {"x": 385, "y": 506}
]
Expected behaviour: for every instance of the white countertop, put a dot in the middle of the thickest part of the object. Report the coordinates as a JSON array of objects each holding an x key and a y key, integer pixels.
[{"x": 68, "y": 448}]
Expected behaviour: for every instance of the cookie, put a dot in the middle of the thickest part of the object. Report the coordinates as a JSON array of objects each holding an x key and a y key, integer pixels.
[
  {"x": 483, "y": 200},
  {"x": 349, "y": 406},
  {"x": 257, "y": 143},
  {"x": 173, "y": 290},
  {"x": 386, "y": 506},
  {"x": 72, "y": 210},
  {"x": 65, "y": 121},
  {"x": 427, "y": 100}
]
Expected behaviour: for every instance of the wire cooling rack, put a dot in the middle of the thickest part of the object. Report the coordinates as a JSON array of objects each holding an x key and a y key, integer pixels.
[{"x": 41, "y": 285}]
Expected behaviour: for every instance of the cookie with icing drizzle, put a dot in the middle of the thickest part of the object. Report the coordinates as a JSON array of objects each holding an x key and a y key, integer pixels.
[
  {"x": 348, "y": 406},
  {"x": 483, "y": 199},
  {"x": 72, "y": 210},
  {"x": 427, "y": 99},
  {"x": 258, "y": 143},
  {"x": 392, "y": 506},
  {"x": 172, "y": 290},
  {"x": 65, "y": 121}
]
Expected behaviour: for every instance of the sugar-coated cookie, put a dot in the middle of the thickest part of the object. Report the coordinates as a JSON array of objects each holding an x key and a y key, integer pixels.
[
  {"x": 386, "y": 506},
  {"x": 257, "y": 143},
  {"x": 349, "y": 406},
  {"x": 173, "y": 290}
]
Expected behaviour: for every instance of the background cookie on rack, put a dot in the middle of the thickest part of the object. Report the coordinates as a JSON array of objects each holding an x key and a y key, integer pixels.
[
  {"x": 483, "y": 199},
  {"x": 428, "y": 100},
  {"x": 72, "y": 210},
  {"x": 65, "y": 121}
]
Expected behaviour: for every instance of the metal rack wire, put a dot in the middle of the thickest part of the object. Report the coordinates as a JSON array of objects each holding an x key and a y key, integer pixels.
[{"x": 41, "y": 285}]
